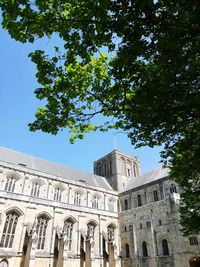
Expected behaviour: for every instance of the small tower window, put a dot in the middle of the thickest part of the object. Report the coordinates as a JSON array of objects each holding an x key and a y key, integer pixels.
[
  {"x": 165, "y": 247},
  {"x": 155, "y": 195},
  {"x": 125, "y": 204},
  {"x": 173, "y": 189},
  {"x": 139, "y": 200},
  {"x": 144, "y": 249},
  {"x": 127, "y": 251}
]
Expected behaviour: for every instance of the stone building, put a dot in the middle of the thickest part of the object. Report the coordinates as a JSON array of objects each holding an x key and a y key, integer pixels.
[{"x": 54, "y": 216}]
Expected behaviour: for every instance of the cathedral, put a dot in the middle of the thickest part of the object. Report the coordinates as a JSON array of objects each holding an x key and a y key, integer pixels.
[{"x": 54, "y": 216}]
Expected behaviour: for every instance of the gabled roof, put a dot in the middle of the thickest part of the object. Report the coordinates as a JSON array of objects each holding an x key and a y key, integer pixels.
[
  {"x": 147, "y": 178},
  {"x": 37, "y": 164}
]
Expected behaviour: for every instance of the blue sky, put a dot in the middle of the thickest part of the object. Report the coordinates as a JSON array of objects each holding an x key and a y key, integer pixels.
[{"x": 18, "y": 105}]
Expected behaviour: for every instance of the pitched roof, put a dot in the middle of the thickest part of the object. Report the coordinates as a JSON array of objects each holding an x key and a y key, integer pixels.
[
  {"x": 147, "y": 178},
  {"x": 37, "y": 164}
]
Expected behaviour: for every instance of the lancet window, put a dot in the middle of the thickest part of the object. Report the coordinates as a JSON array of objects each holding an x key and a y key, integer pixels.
[
  {"x": 95, "y": 202},
  {"x": 68, "y": 229},
  {"x": 110, "y": 231},
  {"x": 35, "y": 190},
  {"x": 111, "y": 205},
  {"x": 77, "y": 198},
  {"x": 57, "y": 194},
  {"x": 41, "y": 229},
  {"x": 9, "y": 230},
  {"x": 90, "y": 230},
  {"x": 10, "y": 184}
]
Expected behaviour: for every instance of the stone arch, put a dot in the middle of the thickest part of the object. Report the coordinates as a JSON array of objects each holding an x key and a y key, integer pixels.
[
  {"x": 92, "y": 221},
  {"x": 45, "y": 214},
  {"x": 14, "y": 209},
  {"x": 3, "y": 263},
  {"x": 70, "y": 218},
  {"x": 37, "y": 180},
  {"x": 79, "y": 190},
  {"x": 14, "y": 174},
  {"x": 112, "y": 224},
  {"x": 60, "y": 185}
]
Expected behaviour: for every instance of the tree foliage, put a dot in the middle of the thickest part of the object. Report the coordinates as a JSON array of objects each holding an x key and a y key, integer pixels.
[{"x": 135, "y": 62}]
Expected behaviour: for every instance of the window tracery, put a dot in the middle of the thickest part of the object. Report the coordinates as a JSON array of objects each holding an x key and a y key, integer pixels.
[
  {"x": 77, "y": 198},
  {"x": 95, "y": 202},
  {"x": 35, "y": 190},
  {"x": 110, "y": 232},
  {"x": 68, "y": 229},
  {"x": 57, "y": 196},
  {"x": 41, "y": 229},
  {"x": 9, "y": 230},
  {"x": 10, "y": 184}
]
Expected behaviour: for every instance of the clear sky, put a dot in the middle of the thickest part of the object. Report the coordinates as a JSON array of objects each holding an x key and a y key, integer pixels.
[{"x": 18, "y": 105}]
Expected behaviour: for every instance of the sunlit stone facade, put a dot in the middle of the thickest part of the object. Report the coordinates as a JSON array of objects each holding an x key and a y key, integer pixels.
[{"x": 54, "y": 216}]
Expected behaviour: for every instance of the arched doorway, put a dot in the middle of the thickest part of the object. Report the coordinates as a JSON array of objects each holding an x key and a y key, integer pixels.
[
  {"x": 3, "y": 263},
  {"x": 194, "y": 261}
]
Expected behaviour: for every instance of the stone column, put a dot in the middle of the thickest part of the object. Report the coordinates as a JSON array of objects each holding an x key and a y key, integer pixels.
[
  {"x": 112, "y": 262},
  {"x": 88, "y": 253}
]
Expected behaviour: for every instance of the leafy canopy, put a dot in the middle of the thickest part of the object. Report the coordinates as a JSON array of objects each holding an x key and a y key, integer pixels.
[{"x": 135, "y": 62}]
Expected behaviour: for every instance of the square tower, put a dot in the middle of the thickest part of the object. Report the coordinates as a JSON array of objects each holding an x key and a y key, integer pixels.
[{"x": 118, "y": 168}]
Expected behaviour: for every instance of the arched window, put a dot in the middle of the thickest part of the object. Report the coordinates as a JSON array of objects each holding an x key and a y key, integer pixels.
[
  {"x": 129, "y": 168},
  {"x": 68, "y": 228},
  {"x": 127, "y": 251},
  {"x": 77, "y": 198},
  {"x": 125, "y": 204},
  {"x": 9, "y": 229},
  {"x": 165, "y": 247},
  {"x": 95, "y": 202},
  {"x": 10, "y": 184},
  {"x": 123, "y": 166},
  {"x": 41, "y": 229},
  {"x": 35, "y": 190},
  {"x": 144, "y": 249},
  {"x": 139, "y": 200},
  {"x": 111, "y": 232},
  {"x": 111, "y": 205},
  {"x": 90, "y": 230},
  {"x": 173, "y": 188},
  {"x": 141, "y": 226},
  {"x": 3, "y": 263},
  {"x": 57, "y": 196}
]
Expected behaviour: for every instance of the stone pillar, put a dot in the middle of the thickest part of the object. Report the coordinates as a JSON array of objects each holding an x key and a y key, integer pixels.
[
  {"x": 135, "y": 241},
  {"x": 60, "y": 252},
  {"x": 88, "y": 253},
  {"x": 153, "y": 235},
  {"x": 26, "y": 251},
  {"x": 111, "y": 253}
]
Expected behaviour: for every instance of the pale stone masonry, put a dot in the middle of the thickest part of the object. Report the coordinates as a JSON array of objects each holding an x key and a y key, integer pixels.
[{"x": 54, "y": 216}]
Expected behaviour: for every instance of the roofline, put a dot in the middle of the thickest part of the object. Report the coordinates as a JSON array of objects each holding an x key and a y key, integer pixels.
[
  {"x": 116, "y": 151},
  {"x": 142, "y": 186}
]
